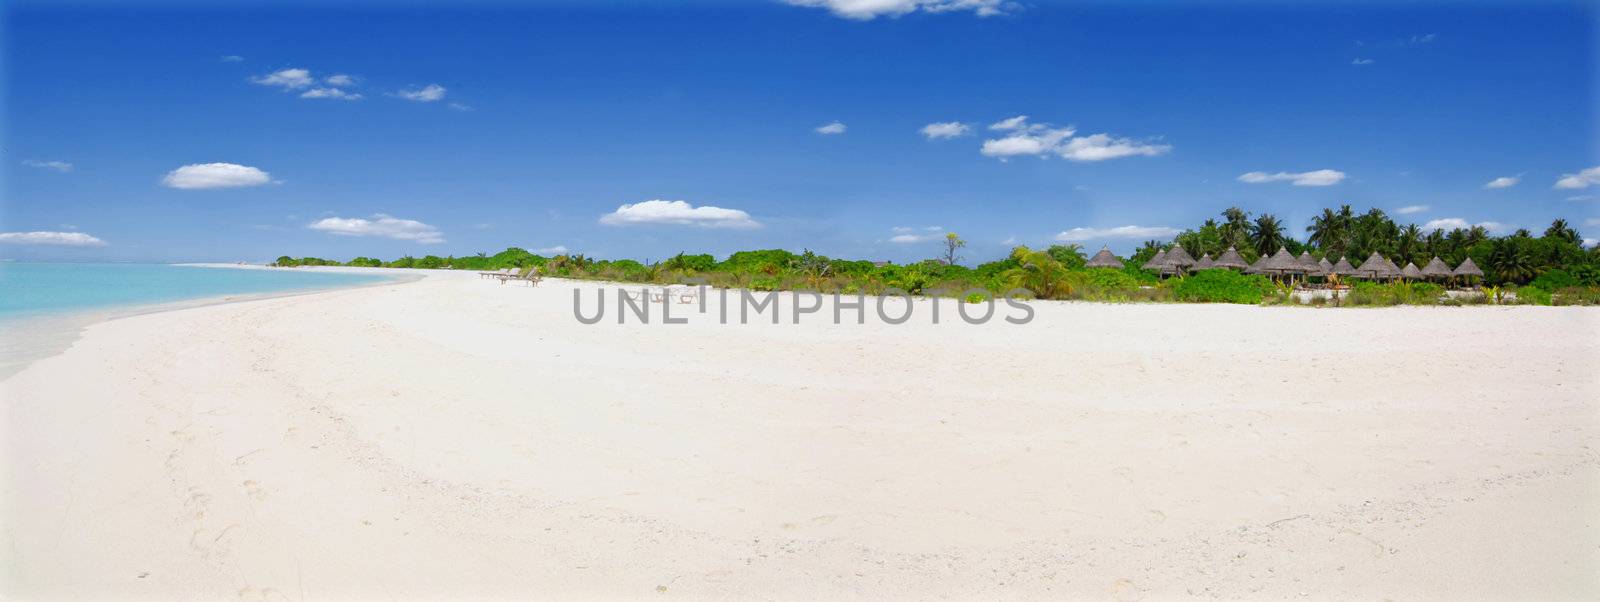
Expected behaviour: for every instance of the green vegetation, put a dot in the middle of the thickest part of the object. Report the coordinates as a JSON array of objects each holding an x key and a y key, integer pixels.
[
  {"x": 1223, "y": 286},
  {"x": 1551, "y": 269},
  {"x": 1394, "y": 293}
]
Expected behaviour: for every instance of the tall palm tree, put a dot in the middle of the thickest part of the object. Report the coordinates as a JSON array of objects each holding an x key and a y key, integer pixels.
[
  {"x": 1436, "y": 243},
  {"x": 1560, "y": 230},
  {"x": 1327, "y": 232},
  {"x": 1409, "y": 244},
  {"x": 1235, "y": 228},
  {"x": 1267, "y": 234},
  {"x": 1476, "y": 235}
]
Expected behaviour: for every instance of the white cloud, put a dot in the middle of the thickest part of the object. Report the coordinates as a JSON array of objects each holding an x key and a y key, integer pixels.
[
  {"x": 1044, "y": 139},
  {"x": 1582, "y": 179},
  {"x": 1591, "y": 243},
  {"x": 1013, "y": 123},
  {"x": 1593, "y": 221},
  {"x": 907, "y": 234},
  {"x": 460, "y": 107},
  {"x": 288, "y": 79},
  {"x": 1410, "y": 209},
  {"x": 831, "y": 129},
  {"x": 61, "y": 166},
  {"x": 1446, "y": 223},
  {"x": 681, "y": 213},
  {"x": 948, "y": 129},
  {"x": 1424, "y": 38},
  {"x": 56, "y": 239},
  {"x": 1099, "y": 147},
  {"x": 428, "y": 93},
  {"x": 215, "y": 175},
  {"x": 333, "y": 93},
  {"x": 1362, "y": 61},
  {"x": 1321, "y": 177},
  {"x": 339, "y": 79},
  {"x": 1135, "y": 232},
  {"x": 555, "y": 250},
  {"x": 232, "y": 58},
  {"x": 380, "y": 225},
  {"x": 866, "y": 10},
  {"x": 1503, "y": 182},
  {"x": 1451, "y": 223}
]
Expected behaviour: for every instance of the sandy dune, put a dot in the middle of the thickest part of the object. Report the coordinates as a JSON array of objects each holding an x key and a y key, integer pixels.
[{"x": 453, "y": 438}]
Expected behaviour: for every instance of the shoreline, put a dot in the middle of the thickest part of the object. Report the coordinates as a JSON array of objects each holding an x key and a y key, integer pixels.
[
  {"x": 409, "y": 436},
  {"x": 52, "y": 333}
]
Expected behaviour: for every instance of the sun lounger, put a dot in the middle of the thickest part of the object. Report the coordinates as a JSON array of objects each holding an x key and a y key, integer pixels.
[{"x": 529, "y": 275}]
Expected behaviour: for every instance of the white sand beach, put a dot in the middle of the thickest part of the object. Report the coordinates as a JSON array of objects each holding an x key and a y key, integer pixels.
[{"x": 451, "y": 438}]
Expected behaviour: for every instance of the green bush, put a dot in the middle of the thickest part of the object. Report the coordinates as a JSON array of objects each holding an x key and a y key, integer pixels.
[
  {"x": 1534, "y": 295},
  {"x": 1222, "y": 286},
  {"x": 1394, "y": 293}
]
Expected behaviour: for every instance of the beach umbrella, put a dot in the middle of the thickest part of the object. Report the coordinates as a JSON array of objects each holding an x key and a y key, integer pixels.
[
  {"x": 1103, "y": 259},
  {"x": 1179, "y": 258},
  {"x": 1411, "y": 271},
  {"x": 1377, "y": 267},
  {"x": 1436, "y": 268},
  {"x": 1343, "y": 268},
  {"x": 1155, "y": 262},
  {"x": 1230, "y": 259},
  {"x": 1281, "y": 263},
  {"x": 1204, "y": 263},
  {"x": 1468, "y": 269},
  {"x": 1312, "y": 266}
]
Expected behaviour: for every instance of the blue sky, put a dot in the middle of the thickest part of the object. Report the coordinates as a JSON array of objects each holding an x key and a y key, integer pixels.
[{"x": 178, "y": 132}]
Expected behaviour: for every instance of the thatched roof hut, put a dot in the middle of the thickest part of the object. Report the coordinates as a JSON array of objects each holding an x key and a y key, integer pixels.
[
  {"x": 1179, "y": 258},
  {"x": 1343, "y": 268},
  {"x": 1411, "y": 271},
  {"x": 1436, "y": 268},
  {"x": 1467, "y": 268},
  {"x": 1391, "y": 265},
  {"x": 1103, "y": 259},
  {"x": 1326, "y": 267},
  {"x": 1230, "y": 259},
  {"x": 1377, "y": 267},
  {"x": 1312, "y": 266},
  {"x": 1282, "y": 262},
  {"x": 1204, "y": 263},
  {"x": 1156, "y": 262}
]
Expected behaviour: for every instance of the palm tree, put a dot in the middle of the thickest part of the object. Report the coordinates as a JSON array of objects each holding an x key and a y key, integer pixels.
[
  {"x": 1235, "y": 228},
  {"x": 1560, "y": 230},
  {"x": 1511, "y": 262},
  {"x": 1327, "y": 231},
  {"x": 1267, "y": 235},
  {"x": 1409, "y": 245},
  {"x": 1436, "y": 242},
  {"x": 1476, "y": 235}
]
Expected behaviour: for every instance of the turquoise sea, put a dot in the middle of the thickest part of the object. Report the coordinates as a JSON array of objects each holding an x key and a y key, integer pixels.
[
  {"x": 36, "y": 289},
  {"x": 44, "y": 305}
]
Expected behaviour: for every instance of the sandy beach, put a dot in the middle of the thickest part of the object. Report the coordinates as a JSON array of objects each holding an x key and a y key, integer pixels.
[{"x": 451, "y": 438}]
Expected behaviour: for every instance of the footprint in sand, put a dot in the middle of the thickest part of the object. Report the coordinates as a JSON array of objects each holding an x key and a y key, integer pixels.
[{"x": 1124, "y": 589}]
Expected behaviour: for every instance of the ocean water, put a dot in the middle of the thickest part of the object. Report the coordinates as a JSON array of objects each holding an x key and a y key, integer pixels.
[
  {"x": 43, "y": 306},
  {"x": 36, "y": 289}
]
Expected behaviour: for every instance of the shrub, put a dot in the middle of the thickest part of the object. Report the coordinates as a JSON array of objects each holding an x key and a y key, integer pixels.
[
  {"x": 1222, "y": 286},
  {"x": 1534, "y": 295}
]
